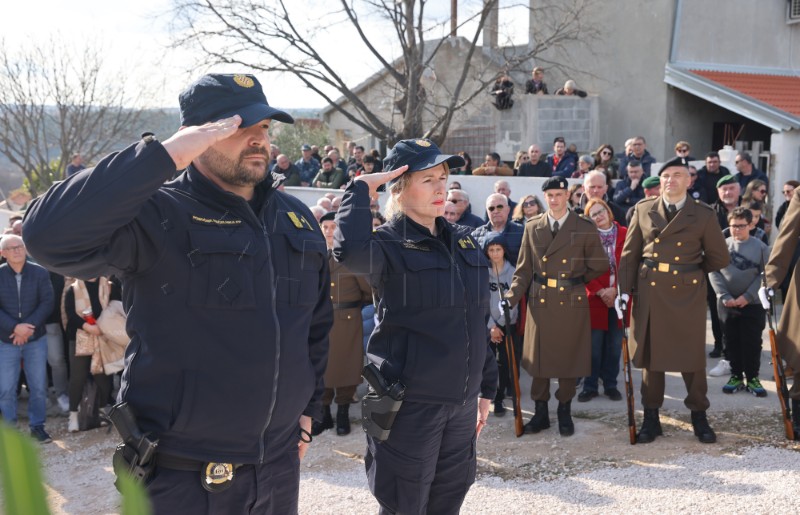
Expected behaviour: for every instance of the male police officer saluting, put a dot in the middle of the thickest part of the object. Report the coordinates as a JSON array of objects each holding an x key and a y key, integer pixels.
[
  {"x": 561, "y": 251},
  {"x": 672, "y": 243},
  {"x": 430, "y": 279},
  {"x": 225, "y": 280}
]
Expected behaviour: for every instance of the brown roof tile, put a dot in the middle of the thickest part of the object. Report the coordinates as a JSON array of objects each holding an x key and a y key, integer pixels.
[{"x": 780, "y": 91}]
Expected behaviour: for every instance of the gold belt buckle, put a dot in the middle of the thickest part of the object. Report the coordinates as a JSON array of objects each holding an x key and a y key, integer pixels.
[
  {"x": 217, "y": 476},
  {"x": 663, "y": 267},
  {"x": 552, "y": 283}
]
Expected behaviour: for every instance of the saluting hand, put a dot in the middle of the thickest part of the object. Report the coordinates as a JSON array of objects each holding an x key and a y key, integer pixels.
[
  {"x": 374, "y": 180},
  {"x": 190, "y": 142}
]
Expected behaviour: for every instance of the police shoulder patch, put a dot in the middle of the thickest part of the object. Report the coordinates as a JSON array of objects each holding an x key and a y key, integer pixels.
[{"x": 467, "y": 243}]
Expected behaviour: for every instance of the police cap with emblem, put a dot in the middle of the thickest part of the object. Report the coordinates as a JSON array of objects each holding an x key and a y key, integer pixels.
[
  {"x": 651, "y": 182},
  {"x": 555, "y": 183},
  {"x": 418, "y": 154},
  {"x": 678, "y": 161},
  {"x": 728, "y": 179},
  {"x": 216, "y": 96}
]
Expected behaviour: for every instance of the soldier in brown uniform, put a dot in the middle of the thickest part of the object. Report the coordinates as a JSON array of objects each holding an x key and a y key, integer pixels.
[
  {"x": 778, "y": 266},
  {"x": 560, "y": 252},
  {"x": 672, "y": 243},
  {"x": 349, "y": 292}
]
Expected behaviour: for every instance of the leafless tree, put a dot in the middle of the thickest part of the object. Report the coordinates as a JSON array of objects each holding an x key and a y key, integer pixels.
[
  {"x": 278, "y": 37},
  {"x": 57, "y": 100}
]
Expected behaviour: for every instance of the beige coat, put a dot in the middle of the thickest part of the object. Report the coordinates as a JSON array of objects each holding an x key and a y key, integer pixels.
[
  {"x": 557, "y": 329},
  {"x": 788, "y": 332},
  {"x": 346, "y": 350},
  {"x": 670, "y": 306}
]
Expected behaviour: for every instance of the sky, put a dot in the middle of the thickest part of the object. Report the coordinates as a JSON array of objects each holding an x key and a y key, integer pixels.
[{"x": 135, "y": 38}]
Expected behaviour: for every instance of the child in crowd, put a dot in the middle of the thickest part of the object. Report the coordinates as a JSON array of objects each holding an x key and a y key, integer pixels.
[
  {"x": 501, "y": 272},
  {"x": 740, "y": 311}
]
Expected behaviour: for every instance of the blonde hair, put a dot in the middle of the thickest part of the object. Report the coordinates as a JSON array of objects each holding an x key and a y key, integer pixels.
[{"x": 394, "y": 207}]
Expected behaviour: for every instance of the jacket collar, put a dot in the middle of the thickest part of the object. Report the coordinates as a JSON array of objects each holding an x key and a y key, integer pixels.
[
  {"x": 198, "y": 182},
  {"x": 686, "y": 216}
]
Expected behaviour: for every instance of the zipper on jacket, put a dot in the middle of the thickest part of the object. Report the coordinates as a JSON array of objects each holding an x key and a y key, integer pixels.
[
  {"x": 466, "y": 318},
  {"x": 19, "y": 295}
]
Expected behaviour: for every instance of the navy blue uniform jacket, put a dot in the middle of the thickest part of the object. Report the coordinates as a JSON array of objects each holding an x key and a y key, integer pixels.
[
  {"x": 433, "y": 301},
  {"x": 228, "y": 309}
]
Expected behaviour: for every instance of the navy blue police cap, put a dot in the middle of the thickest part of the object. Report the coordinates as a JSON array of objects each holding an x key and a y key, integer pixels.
[
  {"x": 418, "y": 154},
  {"x": 216, "y": 96},
  {"x": 678, "y": 161},
  {"x": 555, "y": 183}
]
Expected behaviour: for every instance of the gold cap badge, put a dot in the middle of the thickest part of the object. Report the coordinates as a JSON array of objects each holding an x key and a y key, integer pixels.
[
  {"x": 244, "y": 81},
  {"x": 423, "y": 143}
]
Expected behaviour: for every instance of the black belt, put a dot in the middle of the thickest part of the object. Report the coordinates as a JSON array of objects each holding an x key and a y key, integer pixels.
[
  {"x": 347, "y": 305},
  {"x": 558, "y": 283},
  {"x": 169, "y": 461},
  {"x": 669, "y": 267}
]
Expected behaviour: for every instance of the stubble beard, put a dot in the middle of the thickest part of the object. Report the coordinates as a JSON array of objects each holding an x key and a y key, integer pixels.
[{"x": 236, "y": 173}]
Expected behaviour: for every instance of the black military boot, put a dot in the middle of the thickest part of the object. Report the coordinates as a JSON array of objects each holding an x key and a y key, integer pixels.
[
  {"x": 651, "y": 426},
  {"x": 796, "y": 418},
  {"x": 343, "y": 420},
  {"x": 702, "y": 430},
  {"x": 565, "y": 425},
  {"x": 540, "y": 419},
  {"x": 327, "y": 422}
]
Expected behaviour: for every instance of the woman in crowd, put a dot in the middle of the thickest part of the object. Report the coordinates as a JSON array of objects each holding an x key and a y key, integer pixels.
[
  {"x": 755, "y": 190},
  {"x": 787, "y": 191},
  {"x": 575, "y": 192},
  {"x": 606, "y": 327},
  {"x": 604, "y": 158},
  {"x": 522, "y": 157},
  {"x": 430, "y": 281},
  {"x": 527, "y": 207},
  {"x": 585, "y": 164},
  {"x": 466, "y": 169},
  {"x": 83, "y": 298}
]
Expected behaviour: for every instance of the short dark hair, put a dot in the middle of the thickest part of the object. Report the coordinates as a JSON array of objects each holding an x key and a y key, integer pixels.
[
  {"x": 712, "y": 154},
  {"x": 369, "y": 159},
  {"x": 559, "y": 139},
  {"x": 327, "y": 160},
  {"x": 741, "y": 212},
  {"x": 745, "y": 156},
  {"x": 359, "y": 147},
  {"x": 494, "y": 155},
  {"x": 756, "y": 205}
]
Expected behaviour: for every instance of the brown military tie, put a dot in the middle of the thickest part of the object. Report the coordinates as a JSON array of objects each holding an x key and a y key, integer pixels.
[
  {"x": 555, "y": 228},
  {"x": 671, "y": 212}
]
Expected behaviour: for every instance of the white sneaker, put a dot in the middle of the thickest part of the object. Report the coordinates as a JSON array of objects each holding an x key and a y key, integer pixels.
[
  {"x": 723, "y": 368},
  {"x": 63, "y": 403},
  {"x": 73, "y": 422}
]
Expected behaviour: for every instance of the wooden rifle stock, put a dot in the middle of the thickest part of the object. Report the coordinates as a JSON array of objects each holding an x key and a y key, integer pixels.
[
  {"x": 627, "y": 375},
  {"x": 512, "y": 364},
  {"x": 777, "y": 366}
]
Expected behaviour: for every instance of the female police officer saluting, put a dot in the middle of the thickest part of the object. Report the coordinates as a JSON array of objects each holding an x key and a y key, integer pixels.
[{"x": 431, "y": 282}]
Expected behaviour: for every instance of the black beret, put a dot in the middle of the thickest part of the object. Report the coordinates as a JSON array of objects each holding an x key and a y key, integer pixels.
[
  {"x": 651, "y": 182},
  {"x": 327, "y": 217},
  {"x": 418, "y": 154},
  {"x": 677, "y": 161},
  {"x": 555, "y": 183},
  {"x": 216, "y": 96},
  {"x": 728, "y": 179}
]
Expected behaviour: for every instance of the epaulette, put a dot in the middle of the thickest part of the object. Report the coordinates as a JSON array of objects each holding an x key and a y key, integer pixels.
[{"x": 703, "y": 204}]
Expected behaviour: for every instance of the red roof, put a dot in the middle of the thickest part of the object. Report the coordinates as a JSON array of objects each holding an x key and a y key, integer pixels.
[{"x": 779, "y": 91}]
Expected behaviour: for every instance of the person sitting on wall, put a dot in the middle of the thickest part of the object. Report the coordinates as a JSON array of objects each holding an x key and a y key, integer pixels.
[
  {"x": 536, "y": 85},
  {"x": 502, "y": 90},
  {"x": 570, "y": 89}
]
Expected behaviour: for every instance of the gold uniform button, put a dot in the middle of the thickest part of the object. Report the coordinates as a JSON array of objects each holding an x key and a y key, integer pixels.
[
  {"x": 653, "y": 283},
  {"x": 562, "y": 302},
  {"x": 579, "y": 297},
  {"x": 655, "y": 254},
  {"x": 563, "y": 275},
  {"x": 544, "y": 259},
  {"x": 694, "y": 281},
  {"x": 680, "y": 243},
  {"x": 544, "y": 287},
  {"x": 658, "y": 240},
  {"x": 333, "y": 284},
  {"x": 544, "y": 274},
  {"x": 542, "y": 301},
  {"x": 564, "y": 261},
  {"x": 674, "y": 272},
  {"x": 677, "y": 258},
  {"x": 349, "y": 317},
  {"x": 674, "y": 287},
  {"x": 561, "y": 289}
]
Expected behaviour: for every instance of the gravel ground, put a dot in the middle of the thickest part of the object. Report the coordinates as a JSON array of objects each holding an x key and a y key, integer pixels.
[{"x": 752, "y": 468}]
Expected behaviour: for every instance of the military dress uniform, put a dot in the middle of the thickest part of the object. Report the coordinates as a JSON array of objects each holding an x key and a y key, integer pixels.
[
  {"x": 664, "y": 266},
  {"x": 552, "y": 270},
  {"x": 788, "y": 332},
  {"x": 349, "y": 292}
]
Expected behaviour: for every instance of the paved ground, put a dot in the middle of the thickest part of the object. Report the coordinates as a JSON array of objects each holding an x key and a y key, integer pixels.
[{"x": 749, "y": 470}]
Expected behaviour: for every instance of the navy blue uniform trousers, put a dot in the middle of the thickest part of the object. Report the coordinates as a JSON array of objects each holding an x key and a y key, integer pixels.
[
  {"x": 427, "y": 464},
  {"x": 268, "y": 488}
]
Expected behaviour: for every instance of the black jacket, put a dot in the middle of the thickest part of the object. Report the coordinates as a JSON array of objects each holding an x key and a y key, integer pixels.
[
  {"x": 228, "y": 309},
  {"x": 31, "y": 303},
  {"x": 433, "y": 301}
]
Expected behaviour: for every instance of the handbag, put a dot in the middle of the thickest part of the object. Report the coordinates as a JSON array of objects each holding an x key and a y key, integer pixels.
[
  {"x": 89, "y": 407},
  {"x": 85, "y": 343}
]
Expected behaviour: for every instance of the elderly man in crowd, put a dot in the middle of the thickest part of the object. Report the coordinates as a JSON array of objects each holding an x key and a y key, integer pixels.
[
  {"x": 595, "y": 185},
  {"x": 500, "y": 222},
  {"x": 26, "y": 300},
  {"x": 461, "y": 199}
]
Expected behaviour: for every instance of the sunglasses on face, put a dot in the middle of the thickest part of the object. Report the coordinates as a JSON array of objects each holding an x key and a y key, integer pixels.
[
  {"x": 606, "y": 152},
  {"x": 529, "y": 203},
  {"x": 499, "y": 207},
  {"x": 525, "y": 158},
  {"x": 761, "y": 191},
  {"x": 788, "y": 192},
  {"x": 455, "y": 200}
]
